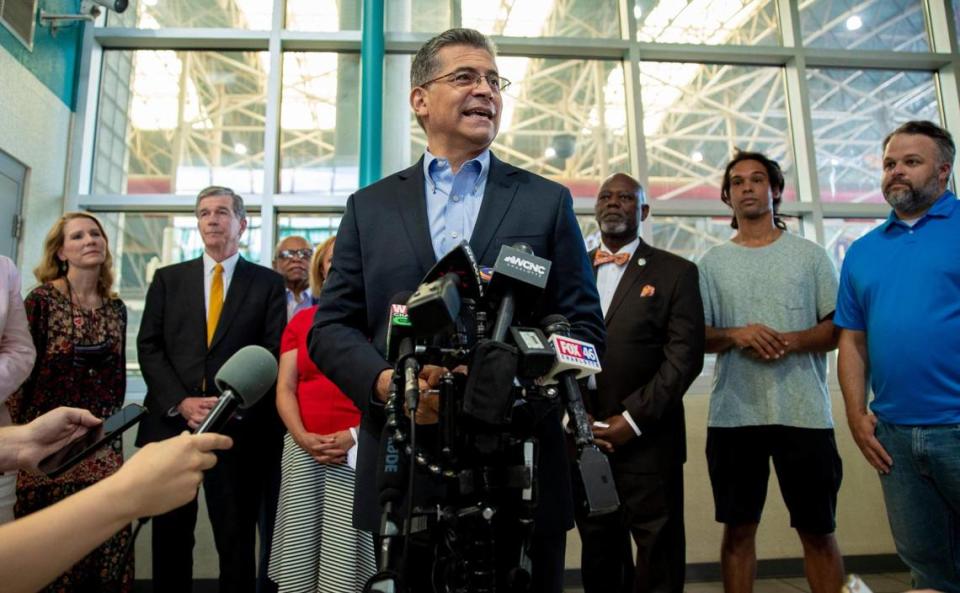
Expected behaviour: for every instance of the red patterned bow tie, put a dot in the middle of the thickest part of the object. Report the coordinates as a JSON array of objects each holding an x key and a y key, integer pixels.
[{"x": 605, "y": 257}]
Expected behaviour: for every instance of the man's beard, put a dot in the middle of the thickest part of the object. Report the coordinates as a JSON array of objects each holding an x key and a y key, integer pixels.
[
  {"x": 613, "y": 227},
  {"x": 913, "y": 200}
]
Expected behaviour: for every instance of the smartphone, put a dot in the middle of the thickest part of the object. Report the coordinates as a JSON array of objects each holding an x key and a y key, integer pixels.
[{"x": 55, "y": 464}]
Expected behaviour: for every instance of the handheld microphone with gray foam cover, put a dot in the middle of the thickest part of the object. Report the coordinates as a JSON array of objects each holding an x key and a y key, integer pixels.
[{"x": 242, "y": 381}]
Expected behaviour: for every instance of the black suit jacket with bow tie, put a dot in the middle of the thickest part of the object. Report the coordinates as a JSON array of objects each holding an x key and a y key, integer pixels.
[
  {"x": 655, "y": 348},
  {"x": 384, "y": 248}
]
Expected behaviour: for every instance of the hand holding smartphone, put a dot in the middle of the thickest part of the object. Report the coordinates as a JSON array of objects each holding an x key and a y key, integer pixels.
[{"x": 55, "y": 464}]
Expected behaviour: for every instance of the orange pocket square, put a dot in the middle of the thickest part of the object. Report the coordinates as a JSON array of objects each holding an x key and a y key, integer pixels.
[{"x": 648, "y": 290}]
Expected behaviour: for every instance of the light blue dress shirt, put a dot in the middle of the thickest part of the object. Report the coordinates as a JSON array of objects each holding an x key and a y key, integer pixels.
[
  {"x": 453, "y": 200},
  {"x": 294, "y": 306}
]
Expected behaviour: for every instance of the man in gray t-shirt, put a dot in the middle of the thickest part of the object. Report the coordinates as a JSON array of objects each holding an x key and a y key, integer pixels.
[
  {"x": 768, "y": 299},
  {"x": 789, "y": 285}
]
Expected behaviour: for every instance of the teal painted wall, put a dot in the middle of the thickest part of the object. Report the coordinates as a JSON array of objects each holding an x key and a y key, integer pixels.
[{"x": 53, "y": 59}]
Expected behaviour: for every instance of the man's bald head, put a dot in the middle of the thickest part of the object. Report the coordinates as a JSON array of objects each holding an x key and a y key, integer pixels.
[
  {"x": 628, "y": 180},
  {"x": 621, "y": 206}
]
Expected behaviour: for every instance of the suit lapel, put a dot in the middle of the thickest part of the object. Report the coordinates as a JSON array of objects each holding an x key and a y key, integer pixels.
[
  {"x": 239, "y": 287},
  {"x": 412, "y": 210},
  {"x": 194, "y": 300},
  {"x": 631, "y": 276},
  {"x": 590, "y": 255},
  {"x": 497, "y": 196}
]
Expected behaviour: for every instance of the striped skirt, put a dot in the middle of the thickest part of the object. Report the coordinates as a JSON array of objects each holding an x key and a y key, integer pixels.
[{"x": 315, "y": 547}]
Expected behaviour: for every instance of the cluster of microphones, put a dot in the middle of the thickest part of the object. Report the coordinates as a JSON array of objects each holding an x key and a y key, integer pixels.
[
  {"x": 446, "y": 320},
  {"x": 461, "y": 314}
]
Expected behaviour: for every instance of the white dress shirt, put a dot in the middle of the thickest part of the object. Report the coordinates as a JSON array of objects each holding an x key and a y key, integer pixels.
[
  {"x": 609, "y": 275},
  {"x": 294, "y": 306},
  {"x": 229, "y": 265},
  {"x": 608, "y": 278}
]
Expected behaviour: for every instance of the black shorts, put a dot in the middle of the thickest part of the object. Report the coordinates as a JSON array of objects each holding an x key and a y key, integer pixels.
[{"x": 808, "y": 467}]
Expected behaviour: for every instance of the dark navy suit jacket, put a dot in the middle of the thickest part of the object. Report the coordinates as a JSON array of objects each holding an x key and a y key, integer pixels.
[{"x": 384, "y": 248}]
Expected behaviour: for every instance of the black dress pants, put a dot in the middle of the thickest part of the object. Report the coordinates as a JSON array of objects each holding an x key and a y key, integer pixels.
[
  {"x": 172, "y": 549},
  {"x": 651, "y": 510},
  {"x": 239, "y": 490}
]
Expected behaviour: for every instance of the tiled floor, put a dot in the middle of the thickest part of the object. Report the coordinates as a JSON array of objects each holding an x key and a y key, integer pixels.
[{"x": 878, "y": 583}]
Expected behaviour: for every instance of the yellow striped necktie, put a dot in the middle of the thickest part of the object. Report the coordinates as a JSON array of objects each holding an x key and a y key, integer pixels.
[{"x": 216, "y": 302}]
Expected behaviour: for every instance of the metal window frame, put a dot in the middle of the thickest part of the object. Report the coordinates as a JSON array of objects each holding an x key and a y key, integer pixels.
[{"x": 943, "y": 60}]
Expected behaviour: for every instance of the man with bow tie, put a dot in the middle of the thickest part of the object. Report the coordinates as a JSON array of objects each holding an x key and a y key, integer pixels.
[{"x": 655, "y": 342}]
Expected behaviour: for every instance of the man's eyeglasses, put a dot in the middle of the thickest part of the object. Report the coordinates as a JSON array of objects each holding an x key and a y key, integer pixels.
[
  {"x": 298, "y": 253},
  {"x": 469, "y": 79}
]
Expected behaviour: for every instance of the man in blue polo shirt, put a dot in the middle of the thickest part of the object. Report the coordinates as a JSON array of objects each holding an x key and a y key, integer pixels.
[{"x": 899, "y": 308}]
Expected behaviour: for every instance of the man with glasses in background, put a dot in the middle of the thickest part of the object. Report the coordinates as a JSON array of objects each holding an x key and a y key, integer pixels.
[
  {"x": 395, "y": 230},
  {"x": 291, "y": 259}
]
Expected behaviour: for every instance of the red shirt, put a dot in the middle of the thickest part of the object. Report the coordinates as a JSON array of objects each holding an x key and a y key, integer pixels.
[{"x": 323, "y": 407}]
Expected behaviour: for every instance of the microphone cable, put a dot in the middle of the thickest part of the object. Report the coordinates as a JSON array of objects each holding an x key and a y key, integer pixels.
[{"x": 408, "y": 523}]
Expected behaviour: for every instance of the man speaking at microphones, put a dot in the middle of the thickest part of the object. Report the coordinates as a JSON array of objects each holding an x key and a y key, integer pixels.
[{"x": 395, "y": 230}]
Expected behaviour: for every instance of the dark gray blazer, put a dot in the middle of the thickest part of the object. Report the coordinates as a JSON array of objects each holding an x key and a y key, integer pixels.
[{"x": 172, "y": 343}]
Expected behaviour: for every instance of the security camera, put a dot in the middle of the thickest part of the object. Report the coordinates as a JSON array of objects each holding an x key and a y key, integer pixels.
[{"x": 117, "y": 6}]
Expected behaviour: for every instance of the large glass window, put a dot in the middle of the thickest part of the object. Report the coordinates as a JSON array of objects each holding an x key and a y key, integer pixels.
[
  {"x": 956, "y": 18},
  {"x": 315, "y": 228},
  {"x": 709, "y": 22},
  {"x": 188, "y": 105},
  {"x": 191, "y": 119},
  {"x": 418, "y": 16},
  {"x": 853, "y": 110},
  {"x": 323, "y": 15},
  {"x": 840, "y": 233},
  {"x": 693, "y": 236},
  {"x": 696, "y": 115},
  {"x": 544, "y": 18},
  {"x": 690, "y": 236},
  {"x": 162, "y": 14},
  {"x": 857, "y": 24},
  {"x": 319, "y": 116}
]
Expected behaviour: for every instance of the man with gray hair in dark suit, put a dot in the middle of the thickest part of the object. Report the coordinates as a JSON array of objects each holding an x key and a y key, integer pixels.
[
  {"x": 198, "y": 313},
  {"x": 459, "y": 191}
]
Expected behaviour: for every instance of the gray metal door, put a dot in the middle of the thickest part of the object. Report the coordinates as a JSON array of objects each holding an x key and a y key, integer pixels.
[{"x": 13, "y": 177}]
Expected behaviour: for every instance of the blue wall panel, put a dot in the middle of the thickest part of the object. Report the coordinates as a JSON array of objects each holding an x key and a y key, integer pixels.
[{"x": 54, "y": 58}]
